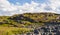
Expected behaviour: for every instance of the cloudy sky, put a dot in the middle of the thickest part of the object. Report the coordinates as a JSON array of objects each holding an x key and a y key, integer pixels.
[{"x": 10, "y": 7}]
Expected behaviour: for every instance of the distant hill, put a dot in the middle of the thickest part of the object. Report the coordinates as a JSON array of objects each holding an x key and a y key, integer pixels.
[
  {"x": 29, "y": 19},
  {"x": 27, "y": 22},
  {"x": 37, "y": 17}
]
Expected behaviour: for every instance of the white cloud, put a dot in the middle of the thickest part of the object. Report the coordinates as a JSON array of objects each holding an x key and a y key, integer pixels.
[
  {"x": 54, "y": 5},
  {"x": 9, "y": 9}
]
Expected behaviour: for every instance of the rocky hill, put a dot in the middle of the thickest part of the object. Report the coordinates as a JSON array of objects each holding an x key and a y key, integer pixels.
[{"x": 29, "y": 20}]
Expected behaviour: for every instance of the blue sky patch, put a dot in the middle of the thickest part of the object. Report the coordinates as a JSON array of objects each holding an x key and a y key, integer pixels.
[{"x": 21, "y": 2}]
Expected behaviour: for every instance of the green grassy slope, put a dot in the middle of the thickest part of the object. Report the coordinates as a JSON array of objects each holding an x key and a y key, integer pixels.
[{"x": 25, "y": 22}]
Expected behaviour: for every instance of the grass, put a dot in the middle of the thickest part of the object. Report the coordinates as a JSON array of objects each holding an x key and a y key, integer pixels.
[{"x": 13, "y": 30}]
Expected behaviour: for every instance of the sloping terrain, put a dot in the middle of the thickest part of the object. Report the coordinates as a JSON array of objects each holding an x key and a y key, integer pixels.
[{"x": 28, "y": 20}]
